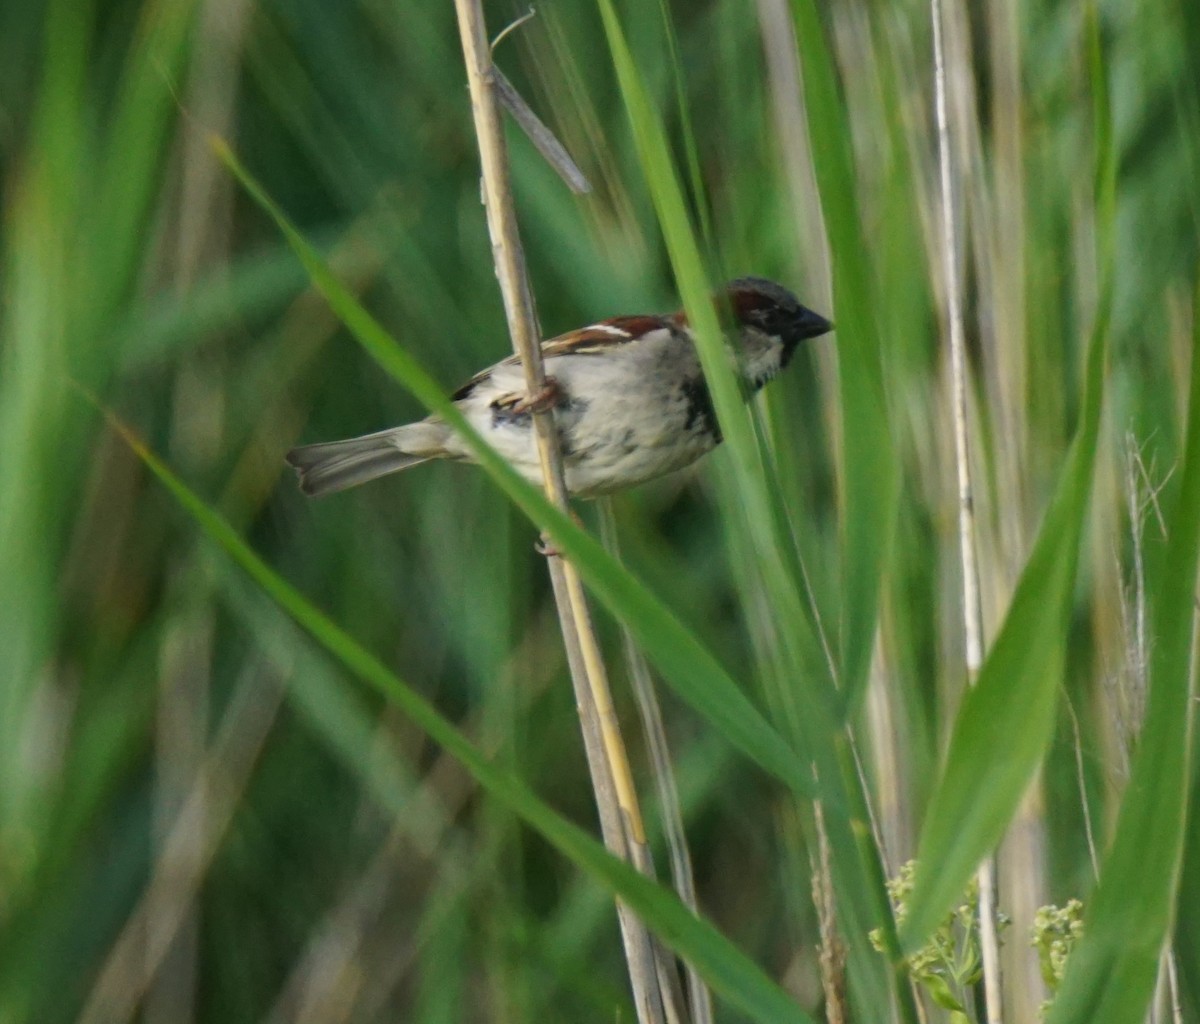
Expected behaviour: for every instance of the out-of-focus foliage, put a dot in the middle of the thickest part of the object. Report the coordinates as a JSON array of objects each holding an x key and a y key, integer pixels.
[{"x": 204, "y": 818}]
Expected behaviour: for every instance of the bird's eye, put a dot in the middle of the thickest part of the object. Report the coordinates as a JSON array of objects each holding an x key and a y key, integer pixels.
[{"x": 768, "y": 320}]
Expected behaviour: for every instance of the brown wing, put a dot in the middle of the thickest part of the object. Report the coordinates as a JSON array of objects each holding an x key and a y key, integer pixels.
[
  {"x": 599, "y": 337},
  {"x": 593, "y": 339}
]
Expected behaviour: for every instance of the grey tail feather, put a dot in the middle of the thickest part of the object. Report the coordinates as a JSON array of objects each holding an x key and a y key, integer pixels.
[{"x": 335, "y": 465}]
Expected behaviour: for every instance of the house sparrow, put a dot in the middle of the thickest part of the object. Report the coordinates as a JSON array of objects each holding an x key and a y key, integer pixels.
[{"x": 629, "y": 397}]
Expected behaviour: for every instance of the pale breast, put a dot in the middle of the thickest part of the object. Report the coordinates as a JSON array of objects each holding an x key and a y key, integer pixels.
[{"x": 625, "y": 415}]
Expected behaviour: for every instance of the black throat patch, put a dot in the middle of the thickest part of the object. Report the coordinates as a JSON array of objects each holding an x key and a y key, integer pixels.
[{"x": 701, "y": 416}]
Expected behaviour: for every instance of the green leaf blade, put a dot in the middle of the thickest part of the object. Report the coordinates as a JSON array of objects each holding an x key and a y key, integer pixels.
[
  {"x": 870, "y": 485},
  {"x": 1111, "y": 974},
  {"x": 684, "y": 662},
  {"x": 1006, "y": 721},
  {"x": 724, "y": 967}
]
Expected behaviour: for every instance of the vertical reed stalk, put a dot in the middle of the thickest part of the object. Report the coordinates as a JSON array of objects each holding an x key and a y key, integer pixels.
[
  {"x": 972, "y": 616},
  {"x": 682, "y": 876},
  {"x": 831, "y": 961},
  {"x": 620, "y": 814}
]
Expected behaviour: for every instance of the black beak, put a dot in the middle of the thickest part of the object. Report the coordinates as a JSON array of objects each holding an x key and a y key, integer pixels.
[{"x": 810, "y": 325}]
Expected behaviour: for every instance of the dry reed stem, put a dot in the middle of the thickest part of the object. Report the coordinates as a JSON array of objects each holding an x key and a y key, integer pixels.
[
  {"x": 200, "y": 234},
  {"x": 972, "y": 616},
  {"x": 187, "y": 850},
  {"x": 181, "y": 725},
  {"x": 543, "y": 139},
  {"x": 640, "y": 953},
  {"x": 594, "y": 699},
  {"x": 682, "y": 875},
  {"x": 832, "y": 957}
]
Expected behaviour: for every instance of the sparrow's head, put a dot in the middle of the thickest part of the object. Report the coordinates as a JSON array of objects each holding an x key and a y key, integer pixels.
[{"x": 772, "y": 323}]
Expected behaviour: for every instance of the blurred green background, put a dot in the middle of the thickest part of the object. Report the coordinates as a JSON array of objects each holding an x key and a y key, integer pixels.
[{"x": 202, "y": 817}]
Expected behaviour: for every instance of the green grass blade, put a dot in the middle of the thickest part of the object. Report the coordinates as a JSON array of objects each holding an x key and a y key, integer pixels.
[
  {"x": 684, "y": 662},
  {"x": 690, "y": 150},
  {"x": 686, "y": 259},
  {"x": 724, "y": 967},
  {"x": 1007, "y": 721},
  {"x": 135, "y": 146},
  {"x": 802, "y": 690},
  {"x": 869, "y": 490},
  {"x": 1186, "y": 939},
  {"x": 38, "y": 237},
  {"x": 1111, "y": 973},
  {"x": 869, "y": 475},
  {"x": 753, "y": 505}
]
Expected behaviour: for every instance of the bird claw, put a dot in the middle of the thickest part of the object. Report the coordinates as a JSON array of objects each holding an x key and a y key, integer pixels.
[
  {"x": 545, "y": 546},
  {"x": 549, "y": 396}
]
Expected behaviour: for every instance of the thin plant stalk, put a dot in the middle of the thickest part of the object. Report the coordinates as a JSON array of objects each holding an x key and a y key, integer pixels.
[
  {"x": 543, "y": 139},
  {"x": 1172, "y": 973},
  {"x": 639, "y": 952},
  {"x": 682, "y": 876},
  {"x": 1141, "y": 497},
  {"x": 972, "y": 616},
  {"x": 593, "y": 696},
  {"x": 831, "y": 960},
  {"x": 1081, "y": 782},
  {"x": 190, "y": 843}
]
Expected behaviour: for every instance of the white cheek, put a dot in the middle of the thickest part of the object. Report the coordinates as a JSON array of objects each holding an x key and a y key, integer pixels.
[{"x": 761, "y": 354}]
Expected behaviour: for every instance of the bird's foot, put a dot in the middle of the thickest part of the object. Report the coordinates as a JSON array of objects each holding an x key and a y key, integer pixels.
[
  {"x": 549, "y": 396},
  {"x": 545, "y": 545}
]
